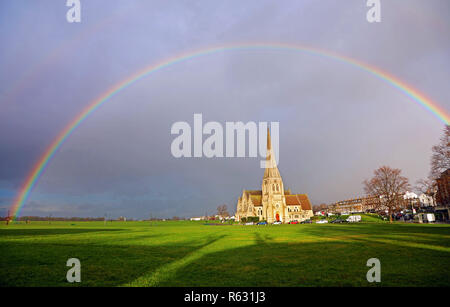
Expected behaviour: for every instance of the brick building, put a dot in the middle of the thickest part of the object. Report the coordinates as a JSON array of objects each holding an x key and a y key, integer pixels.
[{"x": 443, "y": 194}]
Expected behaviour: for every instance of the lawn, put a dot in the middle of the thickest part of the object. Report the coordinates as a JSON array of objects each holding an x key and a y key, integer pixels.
[{"x": 192, "y": 254}]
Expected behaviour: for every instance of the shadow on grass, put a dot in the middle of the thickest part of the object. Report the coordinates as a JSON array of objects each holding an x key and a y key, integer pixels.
[
  {"x": 167, "y": 272},
  {"x": 50, "y": 231},
  {"x": 40, "y": 264},
  {"x": 323, "y": 263},
  {"x": 331, "y": 255},
  {"x": 44, "y": 264},
  {"x": 430, "y": 236},
  {"x": 366, "y": 228}
]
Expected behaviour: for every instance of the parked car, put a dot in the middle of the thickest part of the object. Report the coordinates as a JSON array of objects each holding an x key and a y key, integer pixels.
[
  {"x": 293, "y": 222},
  {"x": 322, "y": 222},
  {"x": 277, "y": 223},
  {"x": 306, "y": 222},
  {"x": 262, "y": 223},
  {"x": 337, "y": 221},
  {"x": 408, "y": 216}
]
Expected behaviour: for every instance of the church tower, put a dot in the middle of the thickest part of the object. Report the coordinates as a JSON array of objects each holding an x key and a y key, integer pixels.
[
  {"x": 272, "y": 203},
  {"x": 273, "y": 200}
]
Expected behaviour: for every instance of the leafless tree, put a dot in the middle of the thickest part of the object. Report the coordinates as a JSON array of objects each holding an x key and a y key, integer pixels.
[
  {"x": 440, "y": 160},
  {"x": 222, "y": 211},
  {"x": 320, "y": 207},
  {"x": 8, "y": 218},
  {"x": 388, "y": 184},
  {"x": 428, "y": 187}
]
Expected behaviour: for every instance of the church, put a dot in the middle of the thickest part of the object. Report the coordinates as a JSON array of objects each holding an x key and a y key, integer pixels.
[{"x": 273, "y": 203}]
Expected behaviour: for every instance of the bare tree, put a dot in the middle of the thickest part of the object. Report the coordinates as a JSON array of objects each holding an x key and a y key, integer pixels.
[
  {"x": 428, "y": 187},
  {"x": 388, "y": 184},
  {"x": 320, "y": 207},
  {"x": 222, "y": 211},
  {"x": 8, "y": 218},
  {"x": 440, "y": 160}
]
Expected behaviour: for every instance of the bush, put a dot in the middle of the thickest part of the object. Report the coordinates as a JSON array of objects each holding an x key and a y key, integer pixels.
[
  {"x": 253, "y": 219},
  {"x": 250, "y": 219}
]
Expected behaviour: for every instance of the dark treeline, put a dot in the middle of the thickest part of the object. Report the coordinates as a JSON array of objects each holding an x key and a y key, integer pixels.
[
  {"x": 46, "y": 218},
  {"x": 85, "y": 219}
]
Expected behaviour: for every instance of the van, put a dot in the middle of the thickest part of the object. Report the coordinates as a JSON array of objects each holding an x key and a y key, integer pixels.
[
  {"x": 354, "y": 218},
  {"x": 430, "y": 217}
]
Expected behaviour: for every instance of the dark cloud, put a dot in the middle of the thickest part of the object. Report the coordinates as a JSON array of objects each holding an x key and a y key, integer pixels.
[{"x": 337, "y": 123}]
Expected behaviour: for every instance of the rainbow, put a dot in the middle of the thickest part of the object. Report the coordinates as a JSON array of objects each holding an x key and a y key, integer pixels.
[{"x": 44, "y": 159}]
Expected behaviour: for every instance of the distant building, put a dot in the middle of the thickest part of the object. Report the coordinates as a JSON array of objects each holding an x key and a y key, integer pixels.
[
  {"x": 443, "y": 189},
  {"x": 410, "y": 195},
  {"x": 355, "y": 205},
  {"x": 372, "y": 204},
  {"x": 273, "y": 203},
  {"x": 443, "y": 194},
  {"x": 426, "y": 200}
]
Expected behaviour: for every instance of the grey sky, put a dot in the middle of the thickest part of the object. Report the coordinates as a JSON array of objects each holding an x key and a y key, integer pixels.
[{"x": 337, "y": 123}]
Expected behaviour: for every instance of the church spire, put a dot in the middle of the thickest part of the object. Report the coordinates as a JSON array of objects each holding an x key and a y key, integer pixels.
[{"x": 271, "y": 165}]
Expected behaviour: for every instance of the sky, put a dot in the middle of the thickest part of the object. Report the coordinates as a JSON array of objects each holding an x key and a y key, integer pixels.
[{"x": 337, "y": 123}]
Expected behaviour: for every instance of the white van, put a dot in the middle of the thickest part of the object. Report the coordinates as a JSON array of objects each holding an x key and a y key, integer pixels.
[
  {"x": 430, "y": 217},
  {"x": 426, "y": 218},
  {"x": 354, "y": 218}
]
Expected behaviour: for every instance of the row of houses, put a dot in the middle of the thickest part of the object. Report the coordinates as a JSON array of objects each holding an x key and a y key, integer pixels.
[{"x": 409, "y": 200}]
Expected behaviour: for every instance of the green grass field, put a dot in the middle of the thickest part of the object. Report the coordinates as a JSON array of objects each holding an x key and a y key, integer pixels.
[{"x": 192, "y": 254}]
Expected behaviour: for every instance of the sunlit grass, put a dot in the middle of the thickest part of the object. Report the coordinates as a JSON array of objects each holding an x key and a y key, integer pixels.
[{"x": 192, "y": 254}]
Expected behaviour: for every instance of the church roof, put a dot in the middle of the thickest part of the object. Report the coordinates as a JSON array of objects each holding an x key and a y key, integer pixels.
[
  {"x": 256, "y": 200},
  {"x": 254, "y": 192},
  {"x": 301, "y": 200},
  {"x": 298, "y": 200}
]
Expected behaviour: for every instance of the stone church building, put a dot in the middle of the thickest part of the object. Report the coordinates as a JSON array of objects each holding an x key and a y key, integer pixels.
[{"x": 273, "y": 203}]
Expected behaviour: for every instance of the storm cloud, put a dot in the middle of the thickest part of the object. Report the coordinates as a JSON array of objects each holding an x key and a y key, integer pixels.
[{"x": 337, "y": 122}]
